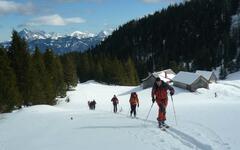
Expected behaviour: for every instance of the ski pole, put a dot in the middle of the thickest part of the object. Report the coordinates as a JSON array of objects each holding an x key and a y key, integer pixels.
[
  {"x": 137, "y": 107},
  {"x": 174, "y": 111},
  {"x": 149, "y": 111},
  {"x": 128, "y": 111}
]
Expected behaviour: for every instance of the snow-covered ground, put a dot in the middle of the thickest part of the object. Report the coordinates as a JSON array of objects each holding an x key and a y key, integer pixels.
[{"x": 204, "y": 122}]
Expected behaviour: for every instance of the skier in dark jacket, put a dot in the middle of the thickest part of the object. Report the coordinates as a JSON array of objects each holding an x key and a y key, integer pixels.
[
  {"x": 159, "y": 94},
  {"x": 115, "y": 103},
  {"x": 94, "y": 104}
]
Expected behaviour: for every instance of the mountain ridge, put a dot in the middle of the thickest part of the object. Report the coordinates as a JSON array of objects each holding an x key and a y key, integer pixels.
[{"x": 75, "y": 41}]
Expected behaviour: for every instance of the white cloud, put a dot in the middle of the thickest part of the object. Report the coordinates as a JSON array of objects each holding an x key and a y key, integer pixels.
[
  {"x": 55, "y": 20},
  {"x": 7, "y": 7},
  {"x": 158, "y": 1}
]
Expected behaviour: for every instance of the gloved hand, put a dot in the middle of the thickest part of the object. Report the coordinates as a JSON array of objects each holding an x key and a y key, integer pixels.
[
  {"x": 153, "y": 100},
  {"x": 172, "y": 92}
]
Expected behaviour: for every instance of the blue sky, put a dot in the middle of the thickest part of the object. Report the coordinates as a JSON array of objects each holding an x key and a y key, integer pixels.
[{"x": 66, "y": 16}]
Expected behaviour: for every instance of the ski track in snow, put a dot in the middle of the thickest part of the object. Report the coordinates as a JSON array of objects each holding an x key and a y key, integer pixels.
[
  {"x": 211, "y": 135},
  {"x": 186, "y": 139}
]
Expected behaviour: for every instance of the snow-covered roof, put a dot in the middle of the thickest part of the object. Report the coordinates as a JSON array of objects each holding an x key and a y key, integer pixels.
[
  {"x": 205, "y": 74},
  {"x": 168, "y": 71},
  {"x": 186, "y": 77},
  {"x": 161, "y": 75}
]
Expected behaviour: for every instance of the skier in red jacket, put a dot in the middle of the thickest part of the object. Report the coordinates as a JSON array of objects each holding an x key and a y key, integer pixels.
[
  {"x": 159, "y": 94},
  {"x": 134, "y": 102}
]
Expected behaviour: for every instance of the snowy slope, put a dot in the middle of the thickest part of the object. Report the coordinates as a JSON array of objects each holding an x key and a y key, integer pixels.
[{"x": 203, "y": 121}]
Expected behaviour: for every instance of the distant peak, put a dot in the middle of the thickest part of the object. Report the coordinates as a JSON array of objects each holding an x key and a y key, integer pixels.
[
  {"x": 105, "y": 33},
  {"x": 25, "y": 30},
  {"x": 33, "y": 35},
  {"x": 80, "y": 35}
]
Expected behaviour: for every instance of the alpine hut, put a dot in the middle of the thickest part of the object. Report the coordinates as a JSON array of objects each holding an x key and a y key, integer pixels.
[
  {"x": 190, "y": 81},
  {"x": 209, "y": 75}
]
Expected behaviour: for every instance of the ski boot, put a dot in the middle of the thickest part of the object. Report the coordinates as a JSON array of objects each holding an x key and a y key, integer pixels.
[
  {"x": 165, "y": 125},
  {"x": 160, "y": 125}
]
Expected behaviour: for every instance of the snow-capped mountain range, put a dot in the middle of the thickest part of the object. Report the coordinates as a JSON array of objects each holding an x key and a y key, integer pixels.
[{"x": 76, "y": 41}]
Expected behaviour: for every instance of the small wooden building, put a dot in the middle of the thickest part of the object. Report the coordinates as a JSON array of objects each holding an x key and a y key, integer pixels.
[
  {"x": 165, "y": 75},
  {"x": 209, "y": 75},
  {"x": 190, "y": 81}
]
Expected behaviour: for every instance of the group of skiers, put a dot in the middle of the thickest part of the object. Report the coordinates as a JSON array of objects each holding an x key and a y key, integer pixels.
[
  {"x": 134, "y": 102},
  {"x": 92, "y": 104},
  {"x": 159, "y": 95}
]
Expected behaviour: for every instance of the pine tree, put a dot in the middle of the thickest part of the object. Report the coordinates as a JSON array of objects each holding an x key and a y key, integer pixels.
[
  {"x": 232, "y": 67},
  {"x": 107, "y": 70},
  {"x": 55, "y": 74},
  {"x": 238, "y": 63},
  {"x": 20, "y": 61},
  {"x": 173, "y": 65},
  {"x": 51, "y": 68},
  {"x": 83, "y": 68},
  {"x": 131, "y": 72},
  {"x": 99, "y": 71},
  {"x": 39, "y": 79},
  {"x": 223, "y": 73},
  {"x": 117, "y": 73},
  {"x": 70, "y": 73},
  {"x": 9, "y": 95},
  {"x": 60, "y": 84}
]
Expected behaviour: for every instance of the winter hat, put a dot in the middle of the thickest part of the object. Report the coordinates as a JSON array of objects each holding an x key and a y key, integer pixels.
[{"x": 158, "y": 79}]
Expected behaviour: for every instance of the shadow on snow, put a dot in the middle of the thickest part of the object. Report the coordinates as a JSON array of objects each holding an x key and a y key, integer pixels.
[{"x": 110, "y": 127}]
